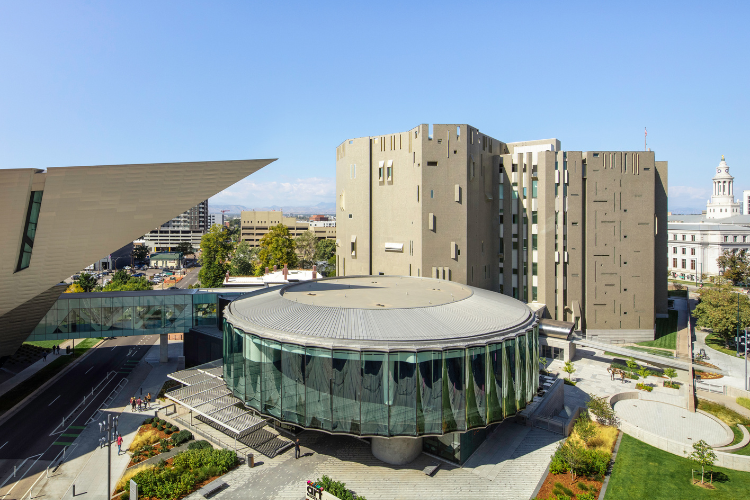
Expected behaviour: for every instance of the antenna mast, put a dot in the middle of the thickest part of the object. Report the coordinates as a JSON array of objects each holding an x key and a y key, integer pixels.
[{"x": 645, "y": 137}]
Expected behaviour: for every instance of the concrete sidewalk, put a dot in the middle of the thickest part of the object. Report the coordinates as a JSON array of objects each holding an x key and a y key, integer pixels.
[
  {"x": 725, "y": 400},
  {"x": 86, "y": 466},
  {"x": 35, "y": 367}
]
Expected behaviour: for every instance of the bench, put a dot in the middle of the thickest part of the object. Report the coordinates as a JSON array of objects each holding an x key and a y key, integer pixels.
[
  {"x": 431, "y": 469},
  {"x": 212, "y": 487}
]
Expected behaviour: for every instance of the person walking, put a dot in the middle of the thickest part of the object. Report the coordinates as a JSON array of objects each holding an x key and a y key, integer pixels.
[
  {"x": 148, "y": 400},
  {"x": 138, "y": 403},
  {"x": 119, "y": 443},
  {"x": 132, "y": 404},
  {"x": 44, "y": 355},
  {"x": 296, "y": 449}
]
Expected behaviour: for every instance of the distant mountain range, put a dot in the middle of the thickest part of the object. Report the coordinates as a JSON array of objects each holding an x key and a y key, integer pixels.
[{"x": 320, "y": 208}]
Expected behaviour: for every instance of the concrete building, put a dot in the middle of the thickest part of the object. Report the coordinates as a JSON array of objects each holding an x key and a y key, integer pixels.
[
  {"x": 324, "y": 229},
  {"x": 216, "y": 219},
  {"x": 53, "y": 224},
  {"x": 746, "y": 202},
  {"x": 254, "y": 225},
  {"x": 722, "y": 203},
  {"x": 583, "y": 233},
  {"x": 189, "y": 226},
  {"x": 169, "y": 260}
]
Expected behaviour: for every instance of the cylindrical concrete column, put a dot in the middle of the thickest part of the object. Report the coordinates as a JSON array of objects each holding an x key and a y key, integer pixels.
[
  {"x": 396, "y": 450},
  {"x": 163, "y": 347}
]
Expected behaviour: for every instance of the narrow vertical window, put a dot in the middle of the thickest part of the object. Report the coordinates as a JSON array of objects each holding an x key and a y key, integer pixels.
[{"x": 29, "y": 231}]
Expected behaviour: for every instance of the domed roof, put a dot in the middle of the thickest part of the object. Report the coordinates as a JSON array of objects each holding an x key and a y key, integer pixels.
[
  {"x": 722, "y": 171},
  {"x": 380, "y": 312}
]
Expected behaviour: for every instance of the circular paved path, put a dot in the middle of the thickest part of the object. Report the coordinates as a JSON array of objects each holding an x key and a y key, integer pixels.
[{"x": 671, "y": 422}]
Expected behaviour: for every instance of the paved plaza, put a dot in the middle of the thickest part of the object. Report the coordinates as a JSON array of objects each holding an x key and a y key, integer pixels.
[
  {"x": 671, "y": 422},
  {"x": 508, "y": 465}
]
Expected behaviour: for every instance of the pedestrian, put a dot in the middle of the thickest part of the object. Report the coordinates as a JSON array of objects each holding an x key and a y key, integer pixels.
[
  {"x": 296, "y": 449},
  {"x": 148, "y": 400},
  {"x": 100, "y": 427},
  {"x": 44, "y": 356},
  {"x": 139, "y": 403},
  {"x": 132, "y": 403},
  {"x": 119, "y": 443}
]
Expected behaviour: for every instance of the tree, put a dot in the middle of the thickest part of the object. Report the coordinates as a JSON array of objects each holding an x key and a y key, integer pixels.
[
  {"x": 74, "y": 288},
  {"x": 542, "y": 363},
  {"x": 569, "y": 368},
  {"x": 670, "y": 373},
  {"x": 644, "y": 373},
  {"x": 717, "y": 311},
  {"x": 243, "y": 260},
  {"x": 602, "y": 411},
  {"x": 276, "y": 249},
  {"x": 325, "y": 250},
  {"x": 735, "y": 265},
  {"x": 131, "y": 285},
  {"x": 703, "y": 455},
  {"x": 632, "y": 366},
  {"x": 87, "y": 282},
  {"x": 139, "y": 252},
  {"x": 215, "y": 249},
  {"x": 306, "y": 244},
  {"x": 120, "y": 278},
  {"x": 585, "y": 428},
  {"x": 185, "y": 248}
]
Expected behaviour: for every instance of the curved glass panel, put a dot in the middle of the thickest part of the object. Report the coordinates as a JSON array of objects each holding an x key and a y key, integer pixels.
[
  {"x": 454, "y": 394},
  {"x": 509, "y": 374},
  {"x": 429, "y": 392},
  {"x": 347, "y": 386},
  {"x": 374, "y": 393},
  {"x": 253, "y": 369},
  {"x": 318, "y": 388},
  {"x": 476, "y": 394},
  {"x": 402, "y": 398},
  {"x": 293, "y": 383},
  {"x": 521, "y": 371},
  {"x": 495, "y": 382},
  {"x": 238, "y": 363},
  {"x": 271, "y": 378}
]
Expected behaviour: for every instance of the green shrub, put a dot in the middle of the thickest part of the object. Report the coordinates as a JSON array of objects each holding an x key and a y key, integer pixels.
[
  {"x": 586, "y": 496},
  {"x": 557, "y": 465},
  {"x": 602, "y": 411},
  {"x": 560, "y": 490},
  {"x": 744, "y": 402},
  {"x": 567, "y": 381},
  {"x": 337, "y": 489},
  {"x": 175, "y": 428},
  {"x": 199, "y": 445},
  {"x": 583, "y": 487},
  {"x": 644, "y": 387},
  {"x": 147, "y": 421},
  {"x": 574, "y": 458},
  {"x": 181, "y": 437}
]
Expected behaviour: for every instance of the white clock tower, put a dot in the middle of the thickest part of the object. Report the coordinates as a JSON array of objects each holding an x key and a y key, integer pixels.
[{"x": 722, "y": 203}]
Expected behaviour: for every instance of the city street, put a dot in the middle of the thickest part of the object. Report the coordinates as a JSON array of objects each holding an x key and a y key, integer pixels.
[{"x": 32, "y": 438}]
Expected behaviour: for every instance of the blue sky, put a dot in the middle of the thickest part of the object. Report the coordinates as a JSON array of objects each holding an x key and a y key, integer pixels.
[{"x": 86, "y": 83}]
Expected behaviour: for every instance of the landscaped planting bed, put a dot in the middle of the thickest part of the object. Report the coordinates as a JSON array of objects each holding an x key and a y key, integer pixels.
[
  {"x": 578, "y": 466},
  {"x": 729, "y": 417},
  {"x": 178, "y": 476},
  {"x": 154, "y": 437}
]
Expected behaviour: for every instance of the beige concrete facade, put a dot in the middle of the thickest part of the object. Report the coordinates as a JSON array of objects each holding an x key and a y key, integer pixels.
[
  {"x": 583, "y": 233},
  {"x": 87, "y": 212}
]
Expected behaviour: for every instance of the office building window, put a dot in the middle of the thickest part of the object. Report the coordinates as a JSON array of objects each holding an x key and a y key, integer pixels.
[
  {"x": 692, "y": 265},
  {"x": 533, "y": 293},
  {"x": 726, "y": 239},
  {"x": 692, "y": 251},
  {"x": 734, "y": 239},
  {"x": 674, "y": 262},
  {"x": 534, "y": 185},
  {"x": 684, "y": 237},
  {"x": 684, "y": 264},
  {"x": 534, "y": 217},
  {"x": 674, "y": 249},
  {"x": 692, "y": 237},
  {"x": 684, "y": 250},
  {"x": 534, "y": 269},
  {"x": 29, "y": 232},
  {"x": 533, "y": 241}
]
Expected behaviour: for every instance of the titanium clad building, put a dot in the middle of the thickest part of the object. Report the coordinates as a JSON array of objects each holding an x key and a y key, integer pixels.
[
  {"x": 57, "y": 221},
  {"x": 583, "y": 233},
  {"x": 394, "y": 358}
]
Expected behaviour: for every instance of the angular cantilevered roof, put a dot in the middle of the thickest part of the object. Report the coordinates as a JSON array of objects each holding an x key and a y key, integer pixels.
[{"x": 85, "y": 214}]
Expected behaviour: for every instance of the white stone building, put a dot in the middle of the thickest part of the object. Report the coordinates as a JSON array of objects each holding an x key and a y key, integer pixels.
[{"x": 722, "y": 203}]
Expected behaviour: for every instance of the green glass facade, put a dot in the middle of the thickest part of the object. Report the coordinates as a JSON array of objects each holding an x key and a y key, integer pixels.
[
  {"x": 121, "y": 314},
  {"x": 376, "y": 393}
]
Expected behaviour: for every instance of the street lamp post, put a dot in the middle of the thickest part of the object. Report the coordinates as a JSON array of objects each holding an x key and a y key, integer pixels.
[
  {"x": 110, "y": 431},
  {"x": 737, "y": 340}
]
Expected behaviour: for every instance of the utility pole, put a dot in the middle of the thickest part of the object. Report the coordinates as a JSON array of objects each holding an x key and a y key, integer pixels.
[
  {"x": 737, "y": 340},
  {"x": 110, "y": 430}
]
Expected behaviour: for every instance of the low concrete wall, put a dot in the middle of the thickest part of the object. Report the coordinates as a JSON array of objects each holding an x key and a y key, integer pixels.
[
  {"x": 553, "y": 402},
  {"x": 736, "y": 393},
  {"x": 727, "y": 460}
]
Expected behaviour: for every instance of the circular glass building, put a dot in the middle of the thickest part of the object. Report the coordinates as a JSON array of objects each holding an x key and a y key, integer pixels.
[{"x": 382, "y": 356}]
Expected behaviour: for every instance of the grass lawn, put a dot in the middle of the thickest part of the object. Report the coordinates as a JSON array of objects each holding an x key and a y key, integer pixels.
[
  {"x": 642, "y": 471},
  {"x": 729, "y": 417},
  {"x": 19, "y": 392},
  {"x": 666, "y": 333},
  {"x": 716, "y": 342},
  {"x": 655, "y": 352}
]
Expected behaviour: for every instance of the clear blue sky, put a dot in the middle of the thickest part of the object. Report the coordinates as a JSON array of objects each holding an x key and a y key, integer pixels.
[{"x": 85, "y": 83}]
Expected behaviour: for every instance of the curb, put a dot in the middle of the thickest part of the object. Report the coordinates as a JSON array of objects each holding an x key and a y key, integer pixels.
[
  {"x": 25, "y": 401},
  {"x": 603, "y": 491}
]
